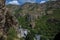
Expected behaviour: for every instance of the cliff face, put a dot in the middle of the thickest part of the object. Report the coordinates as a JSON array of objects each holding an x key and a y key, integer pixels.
[{"x": 7, "y": 20}]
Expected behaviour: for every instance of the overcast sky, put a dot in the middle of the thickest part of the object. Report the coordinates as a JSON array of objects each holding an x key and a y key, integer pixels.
[{"x": 20, "y": 2}]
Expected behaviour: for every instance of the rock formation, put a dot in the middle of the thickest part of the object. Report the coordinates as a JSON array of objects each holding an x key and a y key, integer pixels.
[{"x": 7, "y": 20}]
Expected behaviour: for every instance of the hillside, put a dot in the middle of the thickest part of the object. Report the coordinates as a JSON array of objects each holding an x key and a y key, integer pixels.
[
  {"x": 12, "y": 8},
  {"x": 35, "y": 8},
  {"x": 43, "y": 19}
]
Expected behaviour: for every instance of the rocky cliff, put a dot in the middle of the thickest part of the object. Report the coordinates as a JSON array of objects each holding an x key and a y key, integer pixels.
[{"x": 7, "y": 20}]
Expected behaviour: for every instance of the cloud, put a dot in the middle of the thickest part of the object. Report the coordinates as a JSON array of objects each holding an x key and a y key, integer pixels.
[
  {"x": 42, "y": 1},
  {"x": 31, "y": 1},
  {"x": 20, "y": 2},
  {"x": 15, "y": 2}
]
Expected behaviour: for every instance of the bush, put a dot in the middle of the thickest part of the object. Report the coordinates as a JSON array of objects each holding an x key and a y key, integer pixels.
[{"x": 11, "y": 34}]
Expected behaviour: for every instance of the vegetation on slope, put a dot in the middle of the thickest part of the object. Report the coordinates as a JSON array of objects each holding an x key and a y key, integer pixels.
[{"x": 46, "y": 25}]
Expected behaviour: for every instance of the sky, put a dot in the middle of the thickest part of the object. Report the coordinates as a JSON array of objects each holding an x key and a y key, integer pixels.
[{"x": 20, "y": 2}]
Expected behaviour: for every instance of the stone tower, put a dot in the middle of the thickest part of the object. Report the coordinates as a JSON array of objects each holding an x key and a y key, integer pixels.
[{"x": 7, "y": 20}]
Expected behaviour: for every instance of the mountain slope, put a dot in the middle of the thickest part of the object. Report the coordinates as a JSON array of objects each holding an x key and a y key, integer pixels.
[{"x": 45, "y": 17}]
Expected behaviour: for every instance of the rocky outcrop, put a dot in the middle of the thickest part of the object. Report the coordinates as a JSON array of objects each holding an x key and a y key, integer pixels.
[{"x": 7, "y": 20}]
